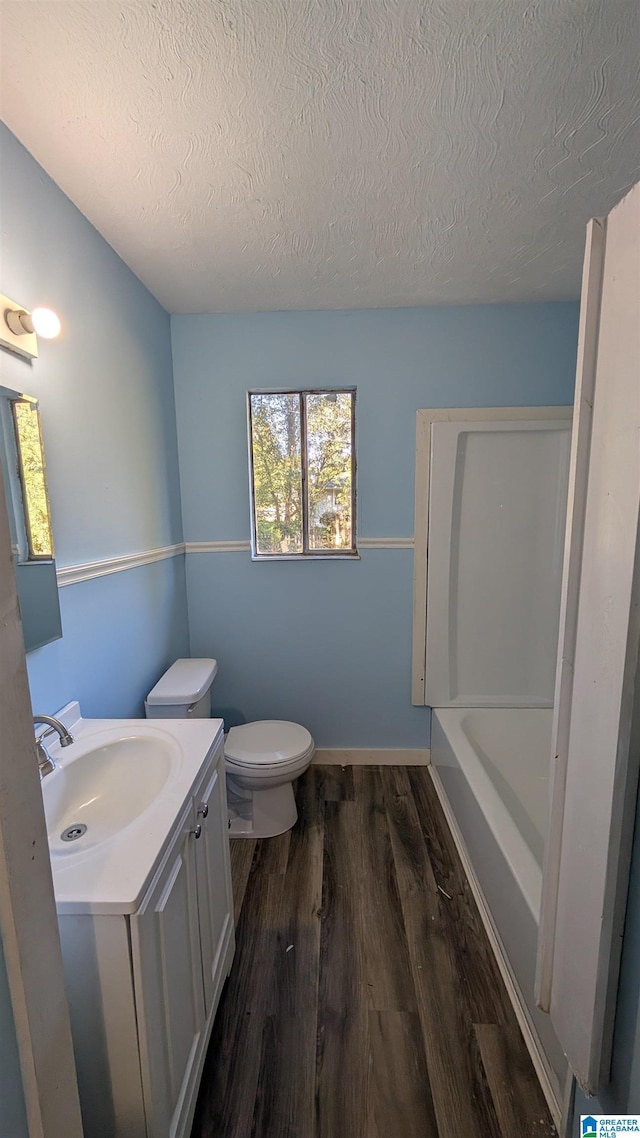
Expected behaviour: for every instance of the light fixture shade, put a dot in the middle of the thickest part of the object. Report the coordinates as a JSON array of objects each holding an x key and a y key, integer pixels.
[{"x": 45, "y": 323}]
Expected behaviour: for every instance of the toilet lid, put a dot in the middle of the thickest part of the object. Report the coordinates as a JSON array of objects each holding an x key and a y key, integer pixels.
[{"x": 267, "y": 742}]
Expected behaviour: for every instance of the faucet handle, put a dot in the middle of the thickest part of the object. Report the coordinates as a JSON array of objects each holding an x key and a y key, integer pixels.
[{"x": 45, "y": 763}]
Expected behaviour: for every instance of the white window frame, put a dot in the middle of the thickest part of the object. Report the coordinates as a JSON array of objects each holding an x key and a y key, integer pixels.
[{"x": 306, "y": 554}]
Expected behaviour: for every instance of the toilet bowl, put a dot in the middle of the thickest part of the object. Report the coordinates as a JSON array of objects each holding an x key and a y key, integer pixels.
[{"x": 262, "y": 759}]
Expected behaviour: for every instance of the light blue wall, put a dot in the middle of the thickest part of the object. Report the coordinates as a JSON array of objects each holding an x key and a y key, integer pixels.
[
  {"x": 106, "y": 394},
  {"x": 120, "y": 633},
  {"x": 329, "y": 643}
]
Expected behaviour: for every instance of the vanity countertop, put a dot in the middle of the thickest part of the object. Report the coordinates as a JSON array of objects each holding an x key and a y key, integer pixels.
[{"x": 128, "y": 781}]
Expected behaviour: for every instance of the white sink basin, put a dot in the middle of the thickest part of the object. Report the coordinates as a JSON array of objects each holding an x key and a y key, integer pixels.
[
  {"x": 126, "y": 781},
  {"x": 100, "y": 791}
]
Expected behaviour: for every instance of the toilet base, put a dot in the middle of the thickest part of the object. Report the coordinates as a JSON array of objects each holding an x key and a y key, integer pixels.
[{"x": 260, "y": 813}]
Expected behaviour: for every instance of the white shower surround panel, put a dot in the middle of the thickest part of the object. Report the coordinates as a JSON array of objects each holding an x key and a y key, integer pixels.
[{"x": 272, "y": 155}]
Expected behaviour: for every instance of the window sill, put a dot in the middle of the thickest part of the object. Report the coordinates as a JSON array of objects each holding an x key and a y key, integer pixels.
[{"x": 355, "y": 556}]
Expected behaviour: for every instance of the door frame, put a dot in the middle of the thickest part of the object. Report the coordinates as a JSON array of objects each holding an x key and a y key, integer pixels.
[
  {"x": 595, "y": 788},
  {"x": 576, "y": 505},
  {"x": 28, "y": 921}
]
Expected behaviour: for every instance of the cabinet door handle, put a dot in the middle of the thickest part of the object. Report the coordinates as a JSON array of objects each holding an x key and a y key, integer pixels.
[
  {"x": 204, "y": 809},
  {"x": 196, "y": 833}
]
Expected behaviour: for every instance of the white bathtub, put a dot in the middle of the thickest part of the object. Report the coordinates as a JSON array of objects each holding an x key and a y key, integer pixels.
[
  {"x": 504, "y": 755},
  {"x": 491, "y": 769}
]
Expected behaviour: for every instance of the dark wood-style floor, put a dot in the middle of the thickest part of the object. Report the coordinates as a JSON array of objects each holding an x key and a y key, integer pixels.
[{"x": 364, "y": 1000}]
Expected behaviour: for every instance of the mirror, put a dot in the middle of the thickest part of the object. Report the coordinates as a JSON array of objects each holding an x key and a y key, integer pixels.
[{"x": 24, "y": 474}]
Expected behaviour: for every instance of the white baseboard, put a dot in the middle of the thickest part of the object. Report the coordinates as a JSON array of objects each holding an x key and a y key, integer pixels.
[
  {"x": 513, "y": 991},
  {"x": 373, "y": 757}
]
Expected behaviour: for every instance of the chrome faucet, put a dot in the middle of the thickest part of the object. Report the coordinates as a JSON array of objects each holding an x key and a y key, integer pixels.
[{"x": 45, "y": 763}]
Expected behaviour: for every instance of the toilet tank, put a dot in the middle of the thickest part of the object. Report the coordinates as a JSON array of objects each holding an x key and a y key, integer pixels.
[{"x": 183, "y": 692}]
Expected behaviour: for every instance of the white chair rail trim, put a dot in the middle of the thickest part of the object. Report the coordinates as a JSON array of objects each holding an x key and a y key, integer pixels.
[
  {"x": 385, "y": 543},
  {"x": 242, "y": 546},
  {"x": 73, "y": 574},
  {"x": 239, "y": 546}
]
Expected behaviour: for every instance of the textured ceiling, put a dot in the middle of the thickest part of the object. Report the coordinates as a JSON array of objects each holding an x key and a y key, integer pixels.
[{"x": 273, "y": 154}]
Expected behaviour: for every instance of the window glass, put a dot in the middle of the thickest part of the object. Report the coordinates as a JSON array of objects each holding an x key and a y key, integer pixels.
[
  {"x": 303, "y": 472},
  {"x": 32, "y": 476},
  {"x": 277, "y": 472},
  {"x": 329, "y": 470}
]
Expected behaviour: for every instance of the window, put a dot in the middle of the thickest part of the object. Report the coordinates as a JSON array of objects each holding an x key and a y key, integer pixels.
[{"x": 302, "y": 467}]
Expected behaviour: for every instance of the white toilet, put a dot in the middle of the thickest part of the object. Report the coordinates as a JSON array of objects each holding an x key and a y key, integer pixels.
[{"x": 262, "y": 759}]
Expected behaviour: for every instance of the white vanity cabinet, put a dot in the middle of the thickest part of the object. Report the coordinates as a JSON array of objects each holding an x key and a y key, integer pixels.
[{"x": 143, "y": 988}]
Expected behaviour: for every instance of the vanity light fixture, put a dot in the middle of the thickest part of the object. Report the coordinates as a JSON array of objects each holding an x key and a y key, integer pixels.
[{"x": 19, "y": 329}]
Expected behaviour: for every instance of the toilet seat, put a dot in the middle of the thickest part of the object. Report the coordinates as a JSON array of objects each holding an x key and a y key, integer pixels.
[
  {"x": 262, "y": 759},
  {"x": 268, "y": 743}
]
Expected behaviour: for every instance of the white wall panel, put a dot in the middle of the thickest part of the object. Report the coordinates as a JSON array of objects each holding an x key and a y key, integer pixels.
[{"x": 496, "y": 527}]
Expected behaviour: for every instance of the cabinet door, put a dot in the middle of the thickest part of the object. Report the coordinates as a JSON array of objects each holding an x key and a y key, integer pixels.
[
  {"x": 215, "y": 901},
  {"x": 165, "y": 945}
]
